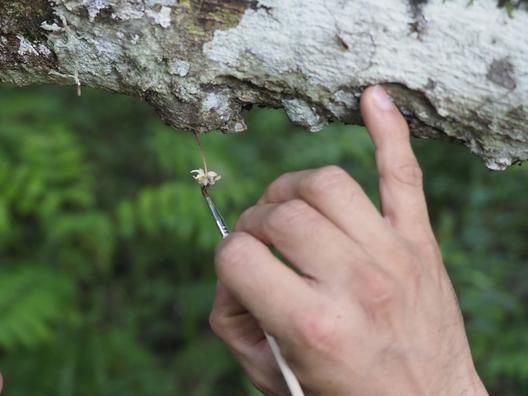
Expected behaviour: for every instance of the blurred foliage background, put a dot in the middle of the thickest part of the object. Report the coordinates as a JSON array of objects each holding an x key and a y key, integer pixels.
[{"x": 106, "y": 270}]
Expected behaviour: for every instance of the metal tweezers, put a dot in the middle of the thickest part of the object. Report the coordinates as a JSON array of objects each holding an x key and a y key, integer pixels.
[
  {"x": 217, "y": 217},
  {"x": 287, "y": 373}
]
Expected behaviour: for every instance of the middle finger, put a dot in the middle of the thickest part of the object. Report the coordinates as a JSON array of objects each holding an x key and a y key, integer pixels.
[
  {"x": 309, "y": 241},
  {"x": 339, "y": 198}
]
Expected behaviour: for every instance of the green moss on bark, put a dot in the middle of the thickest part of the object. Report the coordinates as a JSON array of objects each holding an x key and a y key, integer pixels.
[
  {"x": 25, "y": 17},
  {"x": 510, "y": 5},
  {"x": 22, "y": 20}
]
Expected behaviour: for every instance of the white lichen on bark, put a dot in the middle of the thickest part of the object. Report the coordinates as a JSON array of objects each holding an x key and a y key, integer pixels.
[
  {"x": 456, "y": 71},
  {"x": 469, "y": 63}
]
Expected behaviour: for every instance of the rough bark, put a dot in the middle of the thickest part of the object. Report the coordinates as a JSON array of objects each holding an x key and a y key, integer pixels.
[{"x": 458, "y": 71}]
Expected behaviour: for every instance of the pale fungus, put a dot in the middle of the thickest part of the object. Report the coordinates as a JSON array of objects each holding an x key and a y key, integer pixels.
[{"x": 205, "y": 178}]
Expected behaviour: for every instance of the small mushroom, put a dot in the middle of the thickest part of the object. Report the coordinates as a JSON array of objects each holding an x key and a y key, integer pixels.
[{"x": 205, "y": 179}]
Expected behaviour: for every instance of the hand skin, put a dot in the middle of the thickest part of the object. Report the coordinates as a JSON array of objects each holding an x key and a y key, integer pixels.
[{"x": 368, "y": 309}]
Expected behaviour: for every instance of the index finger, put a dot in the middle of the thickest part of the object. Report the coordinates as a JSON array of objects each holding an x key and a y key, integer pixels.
[{"x": 270, "y": 290}]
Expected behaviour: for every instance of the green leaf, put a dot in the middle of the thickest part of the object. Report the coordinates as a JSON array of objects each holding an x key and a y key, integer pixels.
[{"x": 32, "y": 301}]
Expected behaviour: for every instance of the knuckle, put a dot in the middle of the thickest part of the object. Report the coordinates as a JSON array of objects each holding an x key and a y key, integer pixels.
[
  {"x": 429, "y": 249},
  {"x": 233, "y": 253},
  {"x": 220, "y": 326},
  {"x": 408, "y": 173},
  {"x": 324, "y": 179},
  {"x": 413, "y": 271},
  {"x": 216, "y": 323},
  {"x": 379, "y": 289},
  {"x": 406, "y": 262},
  {"x": 432, "y": 263},
  {"x": 264, "y": 384},
  {"x": 408, "y": 259},
  {"x": 286, "y": 215},
  {"x": 261, "y": 385},
  {"x": 317, "y": 330}
]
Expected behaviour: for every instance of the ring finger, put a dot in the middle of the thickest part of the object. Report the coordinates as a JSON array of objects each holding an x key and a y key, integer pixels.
[{"x": 302, "y": 235}]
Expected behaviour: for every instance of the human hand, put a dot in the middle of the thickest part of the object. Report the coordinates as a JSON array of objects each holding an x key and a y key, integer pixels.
[{"x": 369, "y": 309}]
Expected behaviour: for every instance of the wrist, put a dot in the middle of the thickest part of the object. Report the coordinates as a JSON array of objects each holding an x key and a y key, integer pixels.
[
  {"x": 466, "y": 385},
  {"x": 478, "y": 386},
  {"x": 459, "y": 379}
]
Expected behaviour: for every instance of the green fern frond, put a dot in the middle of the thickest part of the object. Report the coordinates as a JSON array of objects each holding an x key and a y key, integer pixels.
[
  {"x": 32, "y": 301},
  {"x": 4, "y": 218}
]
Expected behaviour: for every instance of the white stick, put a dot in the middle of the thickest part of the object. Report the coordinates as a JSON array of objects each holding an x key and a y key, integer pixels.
[{"x": 287, "y": 373}]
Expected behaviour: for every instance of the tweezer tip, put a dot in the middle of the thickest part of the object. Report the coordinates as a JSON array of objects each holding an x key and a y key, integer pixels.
[{"x": 205, "y": 193}]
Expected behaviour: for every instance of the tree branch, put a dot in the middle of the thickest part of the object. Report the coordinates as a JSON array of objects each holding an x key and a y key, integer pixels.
[{"x": 457, "y": 71}]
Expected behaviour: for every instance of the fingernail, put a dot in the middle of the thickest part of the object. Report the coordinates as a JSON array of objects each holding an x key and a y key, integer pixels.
[{"x": 381, "y": 99}]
